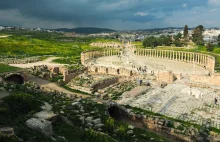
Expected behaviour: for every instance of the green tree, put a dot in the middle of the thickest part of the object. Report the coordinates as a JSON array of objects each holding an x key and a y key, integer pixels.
[
  {"x": 150, "y": 42},
  {"x": 185, "y": 32},
  {"x": 209, "y": 47},
  {"x": 197, "y": 35},
  {"x": 219, "y": 40},
  {"x": 177, "y": 39}
]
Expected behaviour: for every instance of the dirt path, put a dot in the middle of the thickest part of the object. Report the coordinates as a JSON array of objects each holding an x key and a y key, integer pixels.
[
  {"x": 47, "y": 62},
  {"x": 50, "y": 86}
]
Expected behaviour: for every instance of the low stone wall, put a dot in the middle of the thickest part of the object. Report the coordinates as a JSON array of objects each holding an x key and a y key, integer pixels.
[
  {"x": 212, "y": 80},
  {"x": 19, "y": 61},
  {"x": 83, "y": 89},
  {"x": 107, "y": 44}
]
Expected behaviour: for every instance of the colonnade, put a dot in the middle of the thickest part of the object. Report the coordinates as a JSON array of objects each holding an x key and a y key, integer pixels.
[
  {"x": 111, "y": 52},
  {"x": 96, "y": 54},
  {"x": 203, "y": 60}
]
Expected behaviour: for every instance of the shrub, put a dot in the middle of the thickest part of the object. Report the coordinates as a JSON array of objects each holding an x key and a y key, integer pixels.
[
  {"x": 92, "y": 136},
  {"x": 22, "y": 103},
  {"x": 170, "y": 124},
  {"x": 110, "y": 124},
  {"x": 122, "y": 131},
  {"x": 209, "y": 47},
  {"x": 181, "y": 128}
]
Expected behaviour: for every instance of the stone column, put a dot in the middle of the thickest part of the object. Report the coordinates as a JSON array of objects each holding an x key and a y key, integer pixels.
[
  {"x": 189, "y": 60},
  {"x": 190, "y": 57},
  {"x": 178, "y": 55},
  {"x": 185, "y": 56},
  {"x": 173, "y": 55}
]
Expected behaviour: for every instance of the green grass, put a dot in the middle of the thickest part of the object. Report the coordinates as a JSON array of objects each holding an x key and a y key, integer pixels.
[
  {"x": 6, "y": 68},
  {"x": 68, "y": 60},
  {"x": 22, "y": 46}
]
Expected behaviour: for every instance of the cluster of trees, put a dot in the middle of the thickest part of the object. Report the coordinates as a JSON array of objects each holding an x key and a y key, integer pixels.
[
  {"x": 162, "y": 41},
  {"x": 197, "y": 36},
  {"x": 154, "y": 41}
]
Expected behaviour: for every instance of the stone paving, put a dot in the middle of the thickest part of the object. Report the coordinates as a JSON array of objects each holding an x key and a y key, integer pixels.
[{"x": 181, "y": 102}]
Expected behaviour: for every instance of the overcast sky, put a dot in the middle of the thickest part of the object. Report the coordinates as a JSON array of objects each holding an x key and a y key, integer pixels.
[{"x": 114, "y": 14}]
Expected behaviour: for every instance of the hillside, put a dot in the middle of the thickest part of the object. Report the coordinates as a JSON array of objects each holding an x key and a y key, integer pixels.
[{"x": 85, "y": 30}]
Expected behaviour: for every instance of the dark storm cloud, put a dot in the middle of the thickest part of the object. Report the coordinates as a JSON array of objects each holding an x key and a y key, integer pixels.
[{"x": 100, "y": 12}]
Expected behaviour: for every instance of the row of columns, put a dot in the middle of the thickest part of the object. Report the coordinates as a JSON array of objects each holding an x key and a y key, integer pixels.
[
  {"x": 189, "y": 57},
  {"x": 111, "y": 52}
]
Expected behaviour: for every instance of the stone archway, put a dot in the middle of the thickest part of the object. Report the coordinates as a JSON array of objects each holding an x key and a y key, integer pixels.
[
  {"x": 15, "y": 78},
  {"x": 115, "y": 113}
]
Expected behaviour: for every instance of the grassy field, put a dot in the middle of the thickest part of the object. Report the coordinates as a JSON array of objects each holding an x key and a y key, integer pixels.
[
  {"x": 6, "y": 68},
  {"x": 23, "y": 44}
]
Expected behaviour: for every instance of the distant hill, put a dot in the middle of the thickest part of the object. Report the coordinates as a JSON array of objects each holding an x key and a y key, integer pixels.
[{"x": 86, "y": 30}]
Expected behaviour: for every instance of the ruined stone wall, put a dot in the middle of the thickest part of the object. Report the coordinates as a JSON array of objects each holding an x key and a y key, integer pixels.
[
  {"x": 165, "y": 76},
  {"x": 162, "y": 76},
  {"x": 107, "y": 44},
  {"x": 104, "y": 83},
  {"x": 203, "y": 60},
  {"x": 68, "y": 75},
  {"x": 212, "y": 80},
  {"x": 111, "y": 70}
]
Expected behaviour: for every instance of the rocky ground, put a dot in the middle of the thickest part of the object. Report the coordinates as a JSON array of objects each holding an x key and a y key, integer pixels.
[{"x": 29, "y": 114}]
